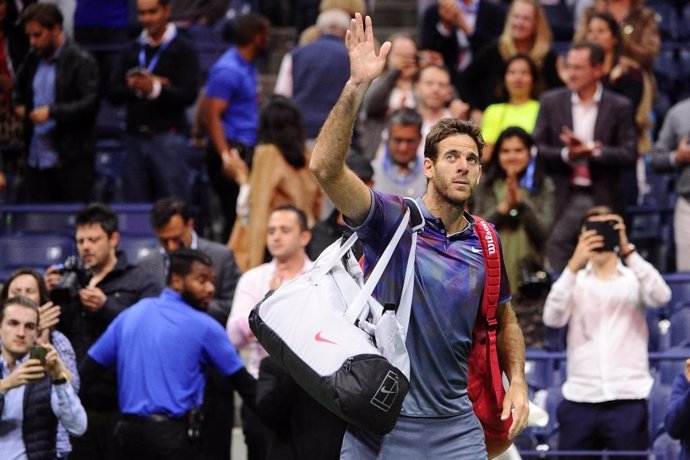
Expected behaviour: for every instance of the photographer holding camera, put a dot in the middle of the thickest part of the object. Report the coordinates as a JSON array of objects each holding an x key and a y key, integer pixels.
[
  {"x": 92, "y": 291},
  {"x": 32, "y": 378},
  {"x": 603, "y": 302}
]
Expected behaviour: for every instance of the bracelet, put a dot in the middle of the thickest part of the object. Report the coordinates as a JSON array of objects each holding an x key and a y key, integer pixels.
[
  {"x": 631, "y": 249},
  {"x": 60, "y": 381}
]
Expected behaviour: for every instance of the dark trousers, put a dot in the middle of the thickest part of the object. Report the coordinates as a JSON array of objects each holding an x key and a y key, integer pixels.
[
  {"x": 98, "y": 442},
  {"x": 69, "y": 183},
  {"x": 257, "y": 436},
  {"x": 611, "y": 425},
  {"x": 157, "y": 167},
  {"x": 154, "y": 440},
  {"x": 226, "y": 189},
  {"x": 219, "y": 412}
]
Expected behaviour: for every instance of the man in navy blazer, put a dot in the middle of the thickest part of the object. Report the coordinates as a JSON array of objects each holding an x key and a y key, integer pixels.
[{"x": 586, "y": 136}]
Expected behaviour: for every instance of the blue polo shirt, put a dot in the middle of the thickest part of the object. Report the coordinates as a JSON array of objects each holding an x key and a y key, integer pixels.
[
  {"x": 449, "y": 280},
  {"x": 161, "y": 347},
  {"x": 235, "y": 80}
]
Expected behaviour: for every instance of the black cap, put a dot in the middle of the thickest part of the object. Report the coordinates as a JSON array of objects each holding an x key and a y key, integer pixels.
[{"x": 360, "y": 165}]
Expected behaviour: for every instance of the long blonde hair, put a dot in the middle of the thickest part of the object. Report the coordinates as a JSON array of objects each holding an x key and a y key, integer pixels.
[{"x": 542, "y": 35}]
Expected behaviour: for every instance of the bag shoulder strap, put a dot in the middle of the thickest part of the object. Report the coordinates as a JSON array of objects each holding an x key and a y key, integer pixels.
[
  {"x": 414, "y": 215},
  {"x": 492, "y": 289},
  {"x": 492, "y": 262}
]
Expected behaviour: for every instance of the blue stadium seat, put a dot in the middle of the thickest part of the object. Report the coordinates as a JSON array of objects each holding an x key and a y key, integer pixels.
[
  {"x": 680, "y": 328},
  {"x": 666, "y": 448},
  {"x": 657, "y": 405},
  {"x": 137, "y": 247},
  {"x": 680, "y": 286},
  {"x": 110, "y": 162},
  {"x": 36, "y": 251},
  {"x": 667, "y": 17}
]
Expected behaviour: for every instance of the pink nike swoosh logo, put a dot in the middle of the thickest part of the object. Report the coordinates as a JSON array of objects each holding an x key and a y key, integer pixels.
[{"x": 319, "y": 338}]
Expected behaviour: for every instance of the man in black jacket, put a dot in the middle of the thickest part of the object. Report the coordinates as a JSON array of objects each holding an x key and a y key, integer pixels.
[
  {"x": 57, "y": 95},
  {"x": 115, "y": 285},
  {"x": 158, "y": 78}
]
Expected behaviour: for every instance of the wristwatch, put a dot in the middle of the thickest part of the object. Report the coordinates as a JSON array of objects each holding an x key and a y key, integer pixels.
[{"x": 631, "y": 249}]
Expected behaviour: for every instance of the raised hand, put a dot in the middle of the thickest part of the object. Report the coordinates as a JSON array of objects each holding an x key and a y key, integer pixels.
[
  {"x": 27, "y": 372},
  {"x": 365, "y": 65},
  {"x": 587, "y": 244}
]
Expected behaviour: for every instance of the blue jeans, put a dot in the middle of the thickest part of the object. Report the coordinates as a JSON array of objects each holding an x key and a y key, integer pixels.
[
  {"x": 460, "y": 436},
  {"x": 157, "y": 166}
]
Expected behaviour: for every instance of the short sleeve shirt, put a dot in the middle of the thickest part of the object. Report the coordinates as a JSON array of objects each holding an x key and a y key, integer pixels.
[
  {"x": 449, "y": 280},
  {"x": 162, "y": 347},
  {"x": 235, "y": 81}
]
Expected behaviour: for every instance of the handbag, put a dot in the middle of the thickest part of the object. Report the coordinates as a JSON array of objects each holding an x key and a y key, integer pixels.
[
  {"x": 485, "y": 382},
  {"x": 336, "y": 341},
  {"x": 535, "y": 279}
]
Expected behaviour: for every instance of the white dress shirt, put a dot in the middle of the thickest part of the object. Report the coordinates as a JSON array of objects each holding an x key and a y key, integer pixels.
[
  {"x": 251, "y": 289},
  {"x": 607, "y": 329}
]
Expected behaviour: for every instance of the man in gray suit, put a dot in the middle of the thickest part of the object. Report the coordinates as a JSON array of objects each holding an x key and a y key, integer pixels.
[
  {"x": 586, "y": 136},
  {"x": 672, "y": 155},
  {"x": 173, "y": 223}
]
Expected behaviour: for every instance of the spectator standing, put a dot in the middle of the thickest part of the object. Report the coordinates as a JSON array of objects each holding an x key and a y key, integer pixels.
[
  {"x": 518, "y": 198},
  {"x": 279, "y": 176},
  {"x": 678, "y": 415},
  {"x": 57, "y": 96},
  {"x": 398, "y": 170},
  {"x": 390, "y": 92},
  {"x": 115, "y": 285},
  {"x": 641, "y": 39},
  {"x": 520, "y": 108},
  {"x": 436, "y": 420},
  {"x": 287, "y": 238},
  {"x": 603, "y": 302},
  {"x": 672, "y": 156},
  {"x": 318, "y": 71},
  {"x": 157, "y": 78},
  {"x": 173, "y": 223},
  {"x": 458, "y": 30},
  {"x": 34, "y": 396},
  {"x": 231, "y": 110},
  {"x": 13, "y": 47},
  {"x": 585, "y": 135},
  {"x": 161, "y": 348},
  {"x": 302, "y": 427},
  {"x": 26, "y": 282},
  {"x": 526, "y": 31}
]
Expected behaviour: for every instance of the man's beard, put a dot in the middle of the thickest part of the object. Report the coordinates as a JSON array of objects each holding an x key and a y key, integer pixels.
[
  {"x": 195, "y": 302},
  {"x": 443, "y": 190}
]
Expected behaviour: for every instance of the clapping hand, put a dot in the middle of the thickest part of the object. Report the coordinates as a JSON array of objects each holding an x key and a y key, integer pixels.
[{"x": 365, "y": 65}]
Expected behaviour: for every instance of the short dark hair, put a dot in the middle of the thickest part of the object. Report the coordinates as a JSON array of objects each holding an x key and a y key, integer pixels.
[
  {"x": 447, "y": 127},
  {"x": 301, "y": 215},
  {"x": 98, "y": 213},
  {"x": 165, "y": 208},
  {"x": 21, "y": 301},
  {"x": 596, "y": 52},
  {"x": 418, "y": 74},
  {"x": 406, "y": 117},
  {"x": 42, "y": 289},
  {"x": 248, "y": 26},
  {"x": 46, "y": 14},
  {"x": 181, "y": 261}
]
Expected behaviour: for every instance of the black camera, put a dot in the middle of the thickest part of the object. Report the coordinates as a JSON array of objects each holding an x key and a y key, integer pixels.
[
  {"x": 605, "y": 229},
  {"x": 75, "y": 276}
]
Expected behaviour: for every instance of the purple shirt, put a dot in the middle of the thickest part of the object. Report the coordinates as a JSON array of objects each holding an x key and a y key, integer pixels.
[{"x": 449, "y": 280}]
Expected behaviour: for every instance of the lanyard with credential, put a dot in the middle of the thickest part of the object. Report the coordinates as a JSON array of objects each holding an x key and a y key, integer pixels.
[{"x": 154, "y": 60}]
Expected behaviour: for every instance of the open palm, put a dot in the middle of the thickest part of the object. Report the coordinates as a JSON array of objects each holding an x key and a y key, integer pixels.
[{"x": 365, "y": 65}]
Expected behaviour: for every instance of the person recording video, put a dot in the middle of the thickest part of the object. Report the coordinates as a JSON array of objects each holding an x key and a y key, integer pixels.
[
  {"x": 602, "y": 295},
  {"x": 92, "y": 290},
  {"x": 33, "y": 379}
]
